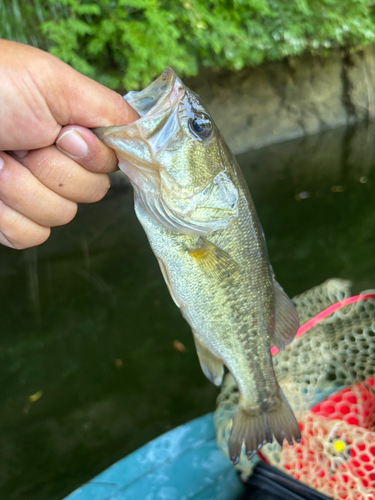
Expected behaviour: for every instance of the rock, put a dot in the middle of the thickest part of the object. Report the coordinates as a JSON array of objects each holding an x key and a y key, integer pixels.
[
  {"x": 299, "y": 96},
  {"x": 289, "y": 99},
  {"x": 360, "y": 69}
]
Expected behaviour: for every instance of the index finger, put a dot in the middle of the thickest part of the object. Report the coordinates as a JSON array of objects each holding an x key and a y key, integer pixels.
[{"x": 40, "y": 94}]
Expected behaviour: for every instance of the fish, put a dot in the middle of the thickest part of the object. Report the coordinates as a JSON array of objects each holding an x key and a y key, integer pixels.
[{"x": 195, "y": 207}]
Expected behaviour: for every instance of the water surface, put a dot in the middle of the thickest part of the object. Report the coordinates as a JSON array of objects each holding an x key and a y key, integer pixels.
[{"x": 88, "y": 369}]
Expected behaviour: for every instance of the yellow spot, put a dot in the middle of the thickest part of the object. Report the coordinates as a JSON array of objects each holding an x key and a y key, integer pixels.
[
  {"x": 35, "y": 397},
  {"x": 339, "y": 445},
  {"x": 119, "y": 363},
  {"x": 197, "y": 253},
  {"x": 337, "y": 189}
]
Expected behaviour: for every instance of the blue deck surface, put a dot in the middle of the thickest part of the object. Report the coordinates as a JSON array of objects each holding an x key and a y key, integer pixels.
[{"x": 182, "y": 464}]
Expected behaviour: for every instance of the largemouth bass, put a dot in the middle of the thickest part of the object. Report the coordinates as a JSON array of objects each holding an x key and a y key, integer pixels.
[{"x": 193, "y": 203}]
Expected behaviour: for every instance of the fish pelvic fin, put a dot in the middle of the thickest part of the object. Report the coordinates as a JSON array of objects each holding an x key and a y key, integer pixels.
[
  {"x": 164, "y": 272},
  {"x": 212, "y": 260},
  {"x": 286, "y": 319},
  {"x": 257, "y": 429},
  {"x": 211, "y": 365}
]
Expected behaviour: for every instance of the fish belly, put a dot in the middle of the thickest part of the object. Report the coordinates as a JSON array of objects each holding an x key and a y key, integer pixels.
[{"x": 226, "y": 317}]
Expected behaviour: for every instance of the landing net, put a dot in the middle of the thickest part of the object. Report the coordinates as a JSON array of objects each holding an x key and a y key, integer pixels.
[{"x": 328, "y": 377}]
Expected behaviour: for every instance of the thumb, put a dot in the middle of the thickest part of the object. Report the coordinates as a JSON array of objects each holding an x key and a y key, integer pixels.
[
  {"x": 87, "y": 103},
  {"x": 83, "y": 101},
  {"x": 51, "y": 94}
]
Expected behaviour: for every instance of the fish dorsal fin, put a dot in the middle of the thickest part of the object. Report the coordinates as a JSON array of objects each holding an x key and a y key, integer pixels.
[
  {"x": 286, "y": 319},
  {"x": 211, "y": 366},
  {"x": 212, "y": 260}
]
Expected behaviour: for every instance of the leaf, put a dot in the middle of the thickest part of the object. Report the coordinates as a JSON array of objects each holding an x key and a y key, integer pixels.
[{"x": 129, "y": 42}]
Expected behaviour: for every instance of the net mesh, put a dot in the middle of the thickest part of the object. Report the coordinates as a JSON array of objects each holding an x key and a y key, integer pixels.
[{"x": 328, "y": 376}]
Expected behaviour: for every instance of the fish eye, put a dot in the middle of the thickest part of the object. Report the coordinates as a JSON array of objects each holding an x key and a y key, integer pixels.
[{"x": 201, "y": 125}]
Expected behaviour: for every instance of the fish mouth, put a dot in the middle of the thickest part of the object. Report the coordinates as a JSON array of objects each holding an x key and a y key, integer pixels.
[
  {"x": 154, "y": 104},
  {"x": 136, "y": 143},
  {"x": 156, "y": 93}
]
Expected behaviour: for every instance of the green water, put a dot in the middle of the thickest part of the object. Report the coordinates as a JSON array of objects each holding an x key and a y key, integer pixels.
[{"x": 87, "y": 320}]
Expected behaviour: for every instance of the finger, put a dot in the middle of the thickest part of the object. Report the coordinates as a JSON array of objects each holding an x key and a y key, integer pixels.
[
  {"x": 53, "y": 95},
  {"x": 17, "y": 231},
  {"x": 24, "y": 193},
  {"x": 83, "y": 146},
  {"x": 87, "y": 102},
  {"x": 64, "y": 176}
]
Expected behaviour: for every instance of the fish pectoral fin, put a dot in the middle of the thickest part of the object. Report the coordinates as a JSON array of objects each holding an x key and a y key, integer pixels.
[
  {"x": 286, "y": 319},
  {"x": 212, "y": 260},
  {"x": 257, "y": 429},
  {"x": 211, "y": 365}
]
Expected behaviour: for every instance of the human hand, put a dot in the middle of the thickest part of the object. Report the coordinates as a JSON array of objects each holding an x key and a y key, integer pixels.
[{"x": 49, "y": 159}]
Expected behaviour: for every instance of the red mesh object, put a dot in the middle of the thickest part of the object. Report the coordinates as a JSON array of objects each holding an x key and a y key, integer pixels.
[
  {"x": 354, "y": 405},
  {"x": 336, "y": 454},
  {"x": 333, "y": 457}
]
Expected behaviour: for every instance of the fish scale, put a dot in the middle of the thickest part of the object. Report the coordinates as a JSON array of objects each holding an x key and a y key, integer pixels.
[{"x": 197, "y": 212}]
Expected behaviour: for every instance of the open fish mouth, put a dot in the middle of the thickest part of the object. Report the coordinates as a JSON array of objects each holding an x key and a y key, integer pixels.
[
  {"x": 159, "y": 99},
  {"x": 160, "y": 92},
  {"x": 137, "y": 143}
]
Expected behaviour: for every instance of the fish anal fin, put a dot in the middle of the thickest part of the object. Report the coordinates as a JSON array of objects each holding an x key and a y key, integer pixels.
[
  {"x": 286, "y": 319},
  {"x": 212, "y": 260},
  {"x": 211, "y": 365},
  {"x": 255, "y": 429}
]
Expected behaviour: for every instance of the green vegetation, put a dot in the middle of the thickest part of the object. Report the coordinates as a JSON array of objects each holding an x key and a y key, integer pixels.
[{"x": 126, "y": 43}]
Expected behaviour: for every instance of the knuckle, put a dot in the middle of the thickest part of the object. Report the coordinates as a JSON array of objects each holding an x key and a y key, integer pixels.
[
  {"x": 21, "y": 232},
  {"x": 14, "y": 226},
  {"x": 110, "y": 161},
  {"x": 33, "y": 240},
  {"x": 43, "y": 236},
  {"x": 120, "y": 105},
  {"x": 17, "y": 245},
  {"x": 68, "y": 212},
  {"x": 100, "y": 159},
  {"x": 101, "y": 190},
  {"x": 42, "y": 162}
]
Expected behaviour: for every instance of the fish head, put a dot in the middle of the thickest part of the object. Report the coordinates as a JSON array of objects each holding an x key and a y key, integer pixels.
[{"x": 176, "y": 159}]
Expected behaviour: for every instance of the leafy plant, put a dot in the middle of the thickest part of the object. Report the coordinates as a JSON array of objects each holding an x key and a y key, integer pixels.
[{"x": 126, "y": 43}]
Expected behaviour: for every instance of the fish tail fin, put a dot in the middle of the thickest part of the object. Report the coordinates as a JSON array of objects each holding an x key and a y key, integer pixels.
[{"x": 258, "y": 429}]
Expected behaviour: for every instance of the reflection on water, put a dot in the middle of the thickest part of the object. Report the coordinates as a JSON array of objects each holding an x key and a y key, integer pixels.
[{"x": 90, "y": 369}]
